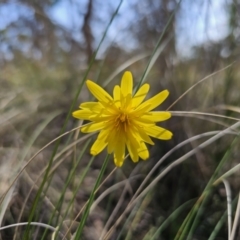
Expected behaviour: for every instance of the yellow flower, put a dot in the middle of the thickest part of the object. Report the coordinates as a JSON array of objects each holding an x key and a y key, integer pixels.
[{"x": 123, "y": 120}]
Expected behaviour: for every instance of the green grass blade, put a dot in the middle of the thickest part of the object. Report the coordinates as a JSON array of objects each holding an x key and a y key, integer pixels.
[
  {"x": 68, "y": 181},
  {"x": 37, "y": 197},
  {"x": 171, "y": 217},
  {"x": 189, "y": 226},
  {"x": 90, "y": 201}
]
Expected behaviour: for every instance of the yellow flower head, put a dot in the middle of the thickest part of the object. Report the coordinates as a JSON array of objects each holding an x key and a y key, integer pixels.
[{"x": 123, "y": 120}]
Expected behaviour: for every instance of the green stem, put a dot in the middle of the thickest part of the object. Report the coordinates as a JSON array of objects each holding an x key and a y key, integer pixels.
[{"x": 90, "y": 201}]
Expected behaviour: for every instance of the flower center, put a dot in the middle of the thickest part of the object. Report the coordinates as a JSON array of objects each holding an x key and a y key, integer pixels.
[
  {"x": 122, "y": 121},
  {"x": 123, "y": 117}
]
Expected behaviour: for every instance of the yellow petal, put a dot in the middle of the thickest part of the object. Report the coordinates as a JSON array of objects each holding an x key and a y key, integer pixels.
[
  {"x": 99, "y": 144},
  {"x": 127, "y": 84},
  {"x": 139, "y": 111},
  {"x": 99, "y": 117},
  {"x": 158, "y": 132},
  {"x": 93, "y": 106},
  {"x": 132, "y": 152},
  {"x": 117, "y": 163},
  {"x": 112, "y": 141},
  {"x": 140, "y": 95},
  {"x": 144, "y": 120},
  {"x": 93, "y": 127},
  {"x": 117, "y": 95},
  {"x": 155, "y": 116},
  {"x": 143, "y": 151},
  {"x": 133, "y": 137},
  {"x": 98, "y": 92},
  {"x": 154, "y": 101},
  {"x": 144, "y": 136},
  {"x": 109, "y": 107},
  {"x": 143, "y": 124},
  {"x": 133, "y": 142},
  {"x": 119, "y": 151},
  {"x": 82, "y": 114}
]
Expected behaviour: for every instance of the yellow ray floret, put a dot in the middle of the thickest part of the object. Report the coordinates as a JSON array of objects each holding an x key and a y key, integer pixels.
[{"x": 124, "y": 121}]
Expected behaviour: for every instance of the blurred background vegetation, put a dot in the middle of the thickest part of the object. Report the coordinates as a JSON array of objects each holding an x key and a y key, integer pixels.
[{"x": 47, "y": 46}]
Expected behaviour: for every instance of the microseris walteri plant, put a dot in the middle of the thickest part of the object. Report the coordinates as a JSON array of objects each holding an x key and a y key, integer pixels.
[{"x": 124, "y": 121}]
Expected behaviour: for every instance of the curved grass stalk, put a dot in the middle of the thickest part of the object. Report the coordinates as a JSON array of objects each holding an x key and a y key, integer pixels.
[
  {"x": 227, "y": 174},
  {"x": 236, "y": 220},
  {"x": 138, "y": 215},
  {"x": 42, "y": 172},
  {"x": 220, "y": 223},
  {"x": 74, "y": 196},
  {"x": 197, "y": 83},
  {"x": 187, "y": 227},
  {"x": 170, "y": 167},
  {"x": 127, "y": 188},
  {"x": 36, "y": 200},
  {"x": 71, "y": 175},
  {"x": 154, "y": 168},
  {"x": 36, "y": 134},
  {"x": 39, "y": 224},
  {"x": 170, "y": 218},
  {"x": 4, "y": 204},
  {"x": 180, "y": 145},
  {"x": 229, "y": 108},
  {"x": 129, "y": 219},
  {"x": 90, "y": 201},
  {"x": 33, "y": 157},
  {"x": 84, "y": 206},
  {"x": 109, "y": 190},
  {"x": 183, "y": 113},
  {"x": 229, "y": 206}
]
